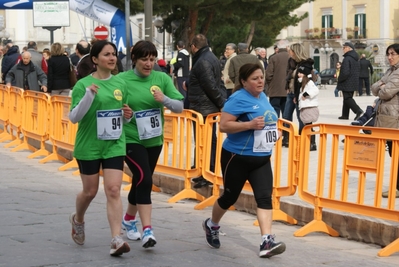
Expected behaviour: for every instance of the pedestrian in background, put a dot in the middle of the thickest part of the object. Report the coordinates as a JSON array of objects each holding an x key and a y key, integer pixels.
[
  {"x": 27, "y": 75},
  {"x": 387, "y": 89},
  {"x": 366, "y": 69},
  {"x": 348, "y": 81},
  {"x": 307, "y": 99},
  {"x": 205, "y": 91},
  {"x": 59, "y": 67},
  {"x": 275, "y": 78},
  {"x": 337, "y": 71}
]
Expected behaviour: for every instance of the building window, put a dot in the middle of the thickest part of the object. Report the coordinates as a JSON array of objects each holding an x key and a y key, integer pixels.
[
  {"x": 327, "y": 24},
  {"x": 360, "y": 25}
]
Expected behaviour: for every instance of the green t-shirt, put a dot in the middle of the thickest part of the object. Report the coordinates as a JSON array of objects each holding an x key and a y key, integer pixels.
[
  {"x": 112, "y": 94},
  {"x": 146, "y": 126}
]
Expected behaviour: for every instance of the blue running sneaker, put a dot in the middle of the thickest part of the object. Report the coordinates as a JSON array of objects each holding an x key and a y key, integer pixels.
[
  {"x": 212, "y": 234},
  {"x": 269, "y": 248},
  {"x": 148, "y": 238},
  {"x": 131, "y": 229}
]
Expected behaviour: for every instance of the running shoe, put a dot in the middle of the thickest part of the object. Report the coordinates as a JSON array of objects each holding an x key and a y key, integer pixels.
[
  {"x": 212, "y": 234},
  {"x": 148, "y": 238},
  {"x": 78, "y": 230},
  {"x": 270, "y": 248},
  {"x": 131, "y": 229},
  {"x": 118, "y": 246}
]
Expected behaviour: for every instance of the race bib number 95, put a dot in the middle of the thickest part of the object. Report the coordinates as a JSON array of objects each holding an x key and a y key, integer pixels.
[{"x": 149, "y": 124}]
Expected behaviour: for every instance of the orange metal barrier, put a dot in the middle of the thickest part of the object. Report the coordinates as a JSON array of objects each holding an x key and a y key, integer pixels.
[
  {"x": 62, "y": 131},
  {"x": 4, "y": 103},
  {"x": 15, "y": 115},
  {"x": 281, "y": 187},
  {"x": 326, "y": 180},
  {"x": 35, "y": 124},
  {"x": 179, "y": 145}
]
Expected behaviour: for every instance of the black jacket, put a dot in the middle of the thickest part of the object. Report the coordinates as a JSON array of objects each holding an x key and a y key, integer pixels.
[
  {"x": 9, "y": 60},
  {"x": 348, "y": 79},
  {"x": 205, "y": 91},
  {"x": 182, "y": 65},
  {"x": 364, "y": 68},
  {"x": 58, "y": 73}
]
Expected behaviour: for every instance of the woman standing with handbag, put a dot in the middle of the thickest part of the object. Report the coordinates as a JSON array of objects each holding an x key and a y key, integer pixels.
[
  {"x": 308, "y": 103},
  {"x": 387, "y": 90}
]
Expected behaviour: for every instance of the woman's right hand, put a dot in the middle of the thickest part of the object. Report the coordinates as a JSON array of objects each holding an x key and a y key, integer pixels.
[
  {"x": 94, "y": 88},
  {"x": 258, "y": 123}
]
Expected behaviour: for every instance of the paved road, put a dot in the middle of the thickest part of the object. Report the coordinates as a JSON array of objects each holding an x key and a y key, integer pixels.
[{"x": 36, "y": 201}]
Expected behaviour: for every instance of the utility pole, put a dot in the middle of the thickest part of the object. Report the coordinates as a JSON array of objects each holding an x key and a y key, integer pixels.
[{"x": 148, "y": 20}]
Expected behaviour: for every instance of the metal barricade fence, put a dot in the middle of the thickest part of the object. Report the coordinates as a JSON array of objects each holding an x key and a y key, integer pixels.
[
  {"x": 182, "y": 139},
  {"x": 4, "y": 103},
  {"x": 35, "y": 123},
  {"x": 62, "y": 132},
  {"x": 15, "y": 115},
  {"x": 360, "y": 167}
]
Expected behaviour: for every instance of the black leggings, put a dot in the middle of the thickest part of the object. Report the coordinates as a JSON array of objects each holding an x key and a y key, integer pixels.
[
  {"x": 142, "y": 162},
  {"x": 237, "y": 170}
]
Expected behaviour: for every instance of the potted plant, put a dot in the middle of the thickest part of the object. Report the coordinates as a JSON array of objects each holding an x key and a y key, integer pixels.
[
  {"x": 349, "y": 29},
  {"x": 350, "y": 36},
  {"x": 316, "y": 30},
  {"x": 356, "y": 28}
]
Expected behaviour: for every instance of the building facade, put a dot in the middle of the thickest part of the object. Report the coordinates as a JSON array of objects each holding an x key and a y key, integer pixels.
[{"x": 371, "y": 25}]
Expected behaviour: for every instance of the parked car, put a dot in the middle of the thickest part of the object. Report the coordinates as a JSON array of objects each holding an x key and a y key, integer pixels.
[{"x": 328, "y": 76}]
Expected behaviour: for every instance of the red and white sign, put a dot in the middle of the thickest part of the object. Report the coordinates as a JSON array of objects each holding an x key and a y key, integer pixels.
[{"x": 101, "y": 32}]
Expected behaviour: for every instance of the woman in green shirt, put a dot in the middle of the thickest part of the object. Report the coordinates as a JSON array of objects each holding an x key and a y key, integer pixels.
[
  {"x": 99, "y": 105},
  {"x": 151, "y": 91}
]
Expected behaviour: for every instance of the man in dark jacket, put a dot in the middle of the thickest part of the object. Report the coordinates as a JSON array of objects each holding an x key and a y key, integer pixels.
[
  {"x": 348, "y": 81},
  {"x": 205, "y": 91},
  {"x": 365, "y": 65},
  {"x": 27, "y": 75},
  {"x": 9, "y": 60}
]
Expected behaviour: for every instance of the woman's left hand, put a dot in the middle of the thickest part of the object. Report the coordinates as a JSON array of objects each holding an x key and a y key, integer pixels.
[
  {"x": 158, "y": 96},
  {"x": 127, "y": 111}
]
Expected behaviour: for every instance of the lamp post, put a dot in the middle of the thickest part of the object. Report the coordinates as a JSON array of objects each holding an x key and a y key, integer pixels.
[
  {"x": 326, "y": 49},
  {"x": 159, "y": 24}
]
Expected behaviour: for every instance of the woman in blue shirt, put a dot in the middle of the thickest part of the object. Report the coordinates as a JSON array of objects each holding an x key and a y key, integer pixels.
[{"x": 251, "y": 126}]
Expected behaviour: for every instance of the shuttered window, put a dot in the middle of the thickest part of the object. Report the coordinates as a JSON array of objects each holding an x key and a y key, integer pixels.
[{"x": 360, "y": 22}]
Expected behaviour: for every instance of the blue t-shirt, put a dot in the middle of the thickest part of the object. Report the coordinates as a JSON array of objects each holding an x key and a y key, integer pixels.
[{"x": 246, "y": 107}]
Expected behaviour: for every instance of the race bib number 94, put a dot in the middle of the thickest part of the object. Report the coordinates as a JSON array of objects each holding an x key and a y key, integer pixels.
[{"x": 109, "y": 124}]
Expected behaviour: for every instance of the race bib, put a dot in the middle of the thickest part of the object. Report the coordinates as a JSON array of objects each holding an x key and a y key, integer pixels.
[
  {"x": 265, "y": 139},
  {"x": 149, "y": 124},
  {"x": 109, "y": 124}
]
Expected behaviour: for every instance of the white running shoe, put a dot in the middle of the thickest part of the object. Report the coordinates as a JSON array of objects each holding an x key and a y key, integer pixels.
[{"x": 131, "y": 229}]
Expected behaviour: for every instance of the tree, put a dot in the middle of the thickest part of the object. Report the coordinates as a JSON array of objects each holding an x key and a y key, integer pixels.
[{"x": 256, "y": 22}]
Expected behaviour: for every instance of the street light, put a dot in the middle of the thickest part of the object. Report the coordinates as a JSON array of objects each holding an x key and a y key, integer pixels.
[
  {"x": 159, "y": 24},
  {"x": 326, "y": 49}
]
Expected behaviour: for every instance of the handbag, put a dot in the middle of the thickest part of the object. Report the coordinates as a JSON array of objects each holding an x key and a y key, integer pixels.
[
  {"x": 72, "y": 76},
  {"x": 308, "y": 115}
]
